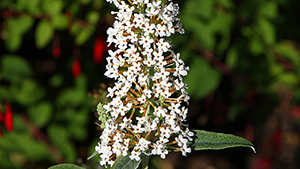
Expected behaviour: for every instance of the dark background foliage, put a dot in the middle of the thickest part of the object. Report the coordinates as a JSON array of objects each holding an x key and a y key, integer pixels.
[{"x": 244, "y": 79}]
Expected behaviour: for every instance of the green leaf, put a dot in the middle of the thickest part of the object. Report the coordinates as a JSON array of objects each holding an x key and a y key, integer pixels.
[
  {"x": 56, "y": 80},
  {"x": 60, "y": 137},
  {"x": 60, "y": 21},
  {"x": 53, "y": 7},
  {"x": 201, "y": 32},
  {"x": 205, "y": 140},
  {"x": 16, "y": 27},
  {"x": 24, "y": 144},
  {"x": 289, "y": 51},
  {"x": 83, "y": 35},
  {"x": 93, "y": 17},
  {"x": 41, "y": 113},
  {"x": 13, "y": 41},
  {"x": 124, "y": 162},
  {"x": 43, "y": 34},
  {"x": 269, "y": 9},
  {"x": 14, "y": 68},
  {"x": 232, "y": 57},
  {"x": 226, "y": 3},
  {"x": 203, "y": 8},
  {"x": 71, "y": 96},
  {"x": 33, "y": 6},
  {"x": 65, "y": 166},
  {"x": 267, "y": 31},
  {"x": 5, "y": 3},
  {"x": 256, "y": 45},
  {"x": 202, "y": 79},
  {"x": 27, "y": 92},
  {"x": 21, "y": 24}
]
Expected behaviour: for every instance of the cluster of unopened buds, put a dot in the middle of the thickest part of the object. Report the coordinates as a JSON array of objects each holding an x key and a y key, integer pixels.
[{"x": 147, "y": 107}]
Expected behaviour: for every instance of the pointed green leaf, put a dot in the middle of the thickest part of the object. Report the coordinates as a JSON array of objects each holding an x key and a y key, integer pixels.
[
  {"x": 124, "y": 162},
  {"x": 216, "y": 141},
  {"x": 65, "y": 166},
  {"x": 43, "y": 34}
]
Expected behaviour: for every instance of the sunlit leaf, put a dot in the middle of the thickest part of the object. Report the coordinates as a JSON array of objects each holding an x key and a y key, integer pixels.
[
  {"x": 16, "y": 27},
  {"x": 83, "y": 35},
  {"x": 43, "y": 34},
  {"x": 53, "y": 7},
  {"x": 267, "y": 31},
  {"x": 204, "y": 140},
  {"x": 93, "y": 17},
  {"x": 60, "y": 21}
]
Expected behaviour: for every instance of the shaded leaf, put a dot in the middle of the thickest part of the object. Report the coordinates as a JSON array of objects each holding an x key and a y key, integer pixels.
[
  {"x": 14, "y": 67},
  {"x": 269, "y": 9},
  {"x": 205, "y": 140},
  {"x": 27, "y": 92},
  {"x": 65, "y": 166},
  {"x": 232, "y": 57},
  {"x": 124, "y": 162},
  {"x": 202, "y": 78},
  {"x": 256, "y": 45},
  {"x": 41, "y": 113},
  {"x": 56, "y": 80}
]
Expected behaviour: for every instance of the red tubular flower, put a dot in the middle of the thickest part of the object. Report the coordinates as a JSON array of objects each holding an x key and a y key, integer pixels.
[
  {"x": 1, "y": 117},
  {"x": 8, "y": 117},
  {"x": 99, "y": 49},
  {"x": 56, "y": 47},
  {"x": 56, "y": 51},
  {"x": 76, "y": 67}
]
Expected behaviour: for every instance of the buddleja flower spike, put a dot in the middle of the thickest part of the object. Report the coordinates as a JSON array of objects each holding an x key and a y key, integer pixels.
[{"x": 146, "y": 109}]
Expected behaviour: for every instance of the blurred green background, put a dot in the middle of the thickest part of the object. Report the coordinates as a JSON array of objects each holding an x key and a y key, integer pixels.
[{"x": 244, "y": 59}]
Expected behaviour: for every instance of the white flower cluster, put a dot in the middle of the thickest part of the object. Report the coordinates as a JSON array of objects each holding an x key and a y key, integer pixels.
[{"x": 147, "y": 110}]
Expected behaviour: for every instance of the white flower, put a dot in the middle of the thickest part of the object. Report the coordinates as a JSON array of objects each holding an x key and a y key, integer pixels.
[
  {"x": 135, "y": 155},
  {"x": 145, "y": 113}
]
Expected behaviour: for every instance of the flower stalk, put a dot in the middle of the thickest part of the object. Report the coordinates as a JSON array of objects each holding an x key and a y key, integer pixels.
[{"x": 146, "y": 111}]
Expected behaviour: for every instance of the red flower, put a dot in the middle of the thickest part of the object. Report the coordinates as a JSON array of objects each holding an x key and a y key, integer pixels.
[
  {"x": 99, "y": 49},
  {"x": 8, "y": 117},
  {"x": 1, "y": 116},
  {"x": 56, "y": 46},
  {"x": 56, "y": 51},
  {"x": 76, "y": 67}
]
